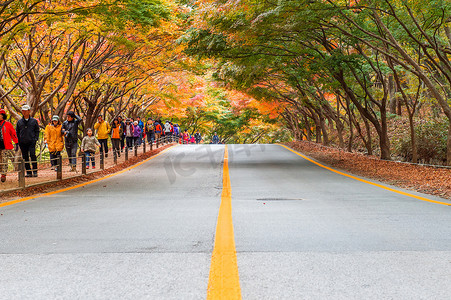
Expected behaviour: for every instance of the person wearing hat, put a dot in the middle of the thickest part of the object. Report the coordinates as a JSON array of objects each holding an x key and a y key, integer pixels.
[
  {"x": 53, "y": 137},
  {"x": 150, "y": 130},
  {"x": 7, "y": 136},
  {"x": 136, "y": 133},
  {"x": 103, "y": 130},
  {"x": 70, "y": 131},
  {"x": 129, "y": 133},
  {"x": 27, "y": 130}
]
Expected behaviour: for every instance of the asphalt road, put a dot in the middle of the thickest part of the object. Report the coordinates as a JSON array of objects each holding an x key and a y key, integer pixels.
[{"x": 301, "y": 232}]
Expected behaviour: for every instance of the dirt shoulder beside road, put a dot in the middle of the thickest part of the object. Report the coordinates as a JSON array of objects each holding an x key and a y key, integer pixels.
[
  {"x": 428, "y": 180},
  {"x": 45, "y": 188}
]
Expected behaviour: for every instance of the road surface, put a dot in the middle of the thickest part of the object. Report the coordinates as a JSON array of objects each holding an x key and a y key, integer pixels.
[{"x": 300, "y": 231}]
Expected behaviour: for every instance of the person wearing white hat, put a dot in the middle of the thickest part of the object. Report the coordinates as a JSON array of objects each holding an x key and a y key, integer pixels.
[{"x": 27, "y": 130}]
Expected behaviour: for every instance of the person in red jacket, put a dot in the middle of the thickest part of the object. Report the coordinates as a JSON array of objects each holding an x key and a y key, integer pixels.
[
  {"x": 7, "y": 136},
  {"x": 158, "y": 130}
]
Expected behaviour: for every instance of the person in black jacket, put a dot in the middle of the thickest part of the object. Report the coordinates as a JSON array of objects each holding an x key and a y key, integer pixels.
[
  {"x": 70, "y": 133},
  {"x": 27, "y": 130},
  {"x": 123, "y": 133},
  {"x": 198, "y": 137}
]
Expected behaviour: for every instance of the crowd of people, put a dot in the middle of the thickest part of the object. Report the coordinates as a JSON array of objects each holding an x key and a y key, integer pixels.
[{"x": 124, "y": 134}]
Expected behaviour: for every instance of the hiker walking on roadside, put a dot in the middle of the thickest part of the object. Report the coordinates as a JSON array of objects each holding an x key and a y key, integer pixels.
[
  {"x": 70, "y": 132},
  {"x": 185, "y": 137},
  {"x": 177, "y": 130},
  {"x": 129, "y": 131},
  {"x": 89, "y": 146},
  {"x": 7, "y": 136},
  {"x": 215, "y": 139},
  {"x": 167, "y": 129},
  {"x": 27, "y": 130},
  {"x": 116, "y": 133},
  {"x": 136, "y": 133},
  {"x": 158, "y": 129},
  {"x": 121, "y": 122},
  {"x": 197, "y": 137},
  {"x": 103, "y": 130},
  {"x": 53, "y": 137},
  {"x": 141, "y": 126},
  {"x": 150, "y": 131}
]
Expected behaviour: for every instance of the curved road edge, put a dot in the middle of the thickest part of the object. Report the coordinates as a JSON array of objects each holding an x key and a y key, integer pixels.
[
  {"x": 8, "y": 203},
  {"x": 367, "y": 181}
]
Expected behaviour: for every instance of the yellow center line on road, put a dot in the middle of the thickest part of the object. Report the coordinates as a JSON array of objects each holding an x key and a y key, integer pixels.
[
  {"x": 366, "y": 181},
  {"x": 83, "y": 184},
  {"x": 224, "y": 282}
]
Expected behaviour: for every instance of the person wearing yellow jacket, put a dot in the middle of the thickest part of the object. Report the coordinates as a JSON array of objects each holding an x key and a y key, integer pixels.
[
  {"x": 103, "y": 130},
  {"x": 53, "y": 137}
]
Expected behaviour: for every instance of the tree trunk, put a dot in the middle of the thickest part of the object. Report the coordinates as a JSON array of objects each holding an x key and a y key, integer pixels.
[
  {"x": 392, "y": 99},
  {"x": 307, "y": 129},
  {"x": 413, "y": 139},
  {"x": 369, "y": 140},
  {"x": 340, "y": 128},
  {"x": 351, "y": 135},
  {"x": 324, "y": 131},
  {"x": 385, "y": 141},
  {"x": 448, "y": 148}
]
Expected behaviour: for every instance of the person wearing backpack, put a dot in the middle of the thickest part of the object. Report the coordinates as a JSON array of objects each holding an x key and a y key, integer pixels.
[
  {"x": 27, "y": 130},
  {"x": 185, "y": 137},
  {"x": 7, "y": 137},
  {"x": 150, "y": 131},
  {"x": 54, "y": 140}
]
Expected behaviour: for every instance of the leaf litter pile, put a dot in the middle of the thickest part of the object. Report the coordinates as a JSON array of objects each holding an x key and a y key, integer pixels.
[{"x": 424, "y": 179}]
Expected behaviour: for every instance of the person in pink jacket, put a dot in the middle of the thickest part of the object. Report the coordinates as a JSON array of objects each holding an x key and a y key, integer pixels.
[
  {"x": 7, "y": 137},
  {"x": 185, "y": 137}
]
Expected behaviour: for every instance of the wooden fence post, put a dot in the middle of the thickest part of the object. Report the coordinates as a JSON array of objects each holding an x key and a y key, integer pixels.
[
  {"x": 21, "y": 173},
  {"x": 83, "y": 164},
  {"x": 59, "y": 170},
  {"x": 102, "y": 160}
]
